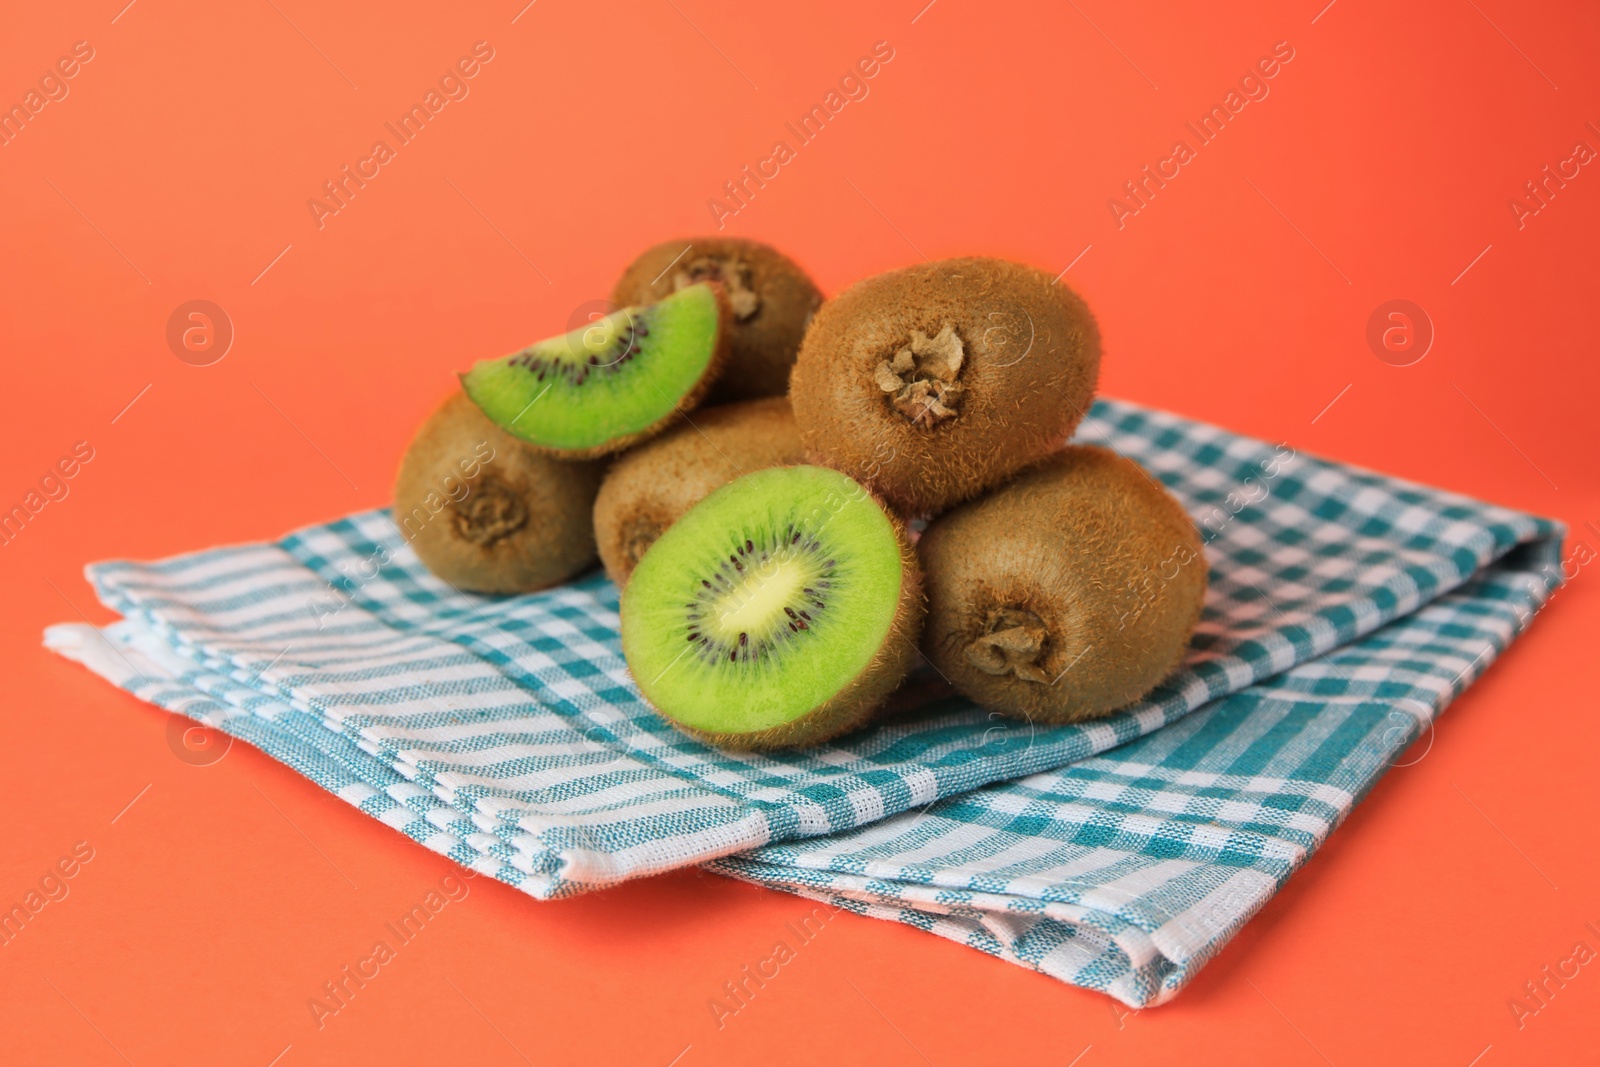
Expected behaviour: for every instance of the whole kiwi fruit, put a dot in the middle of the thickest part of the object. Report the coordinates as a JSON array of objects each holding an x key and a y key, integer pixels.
[
  {"x": 1068, "y": 593},
  {"x": 771, "y": 297},
  {"x": 487, "y": 512},
  {"x": 650, "y": 487},
  {"x": 936, "y": 382}
]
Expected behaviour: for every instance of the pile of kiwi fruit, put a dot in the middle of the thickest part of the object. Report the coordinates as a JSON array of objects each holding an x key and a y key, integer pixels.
[{"x": 801, "y": 500}]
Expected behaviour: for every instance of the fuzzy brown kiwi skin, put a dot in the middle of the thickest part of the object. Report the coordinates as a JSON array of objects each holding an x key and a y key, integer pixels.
[
  {"x": 856, "y": 704},
  {"x": 688, "y": 402},
  {"x": 649, "y": 488},
  {"x": 765, "y": 342},
  {"x": 1103, "y": 559},
  {"x": 1031, "y": 363},
  {"x": 506, "y": 518}
]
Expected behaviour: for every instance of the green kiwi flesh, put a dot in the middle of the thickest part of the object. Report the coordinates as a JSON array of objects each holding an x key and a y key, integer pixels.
[
  {"x": 937, "y": 382},
  {"x": 649, "y": 487},
  {"x": 487, "y": 513},
  {"x": 611, "y": 383},
  {"x": 778, "y": 611},
  {"x": 771, "y": 297},
  {"x": 1068, "y": 593}
]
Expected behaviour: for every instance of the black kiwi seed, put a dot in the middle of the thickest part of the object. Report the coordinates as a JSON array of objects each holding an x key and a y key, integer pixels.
[{"x": 708, "y": 647}]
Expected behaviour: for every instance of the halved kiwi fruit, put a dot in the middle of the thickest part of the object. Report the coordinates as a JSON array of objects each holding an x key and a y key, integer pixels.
[
  {"x": 486, "y": 512},
  {"x": 650, "y": 487},
  {"x": 1068, "y": 593},
  {"x": 615, "y": 381},
  {"x": 778, "y": 611},
  {"x": 937, "y": 382},
  {"x": 771, "y": 297}
]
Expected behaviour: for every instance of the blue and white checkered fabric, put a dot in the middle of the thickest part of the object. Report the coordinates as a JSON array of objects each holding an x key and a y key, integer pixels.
[{"x": 1346, "y": 609}]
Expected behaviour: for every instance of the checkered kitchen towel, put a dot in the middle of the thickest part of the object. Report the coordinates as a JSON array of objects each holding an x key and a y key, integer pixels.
[{"x": 1345, "y": 610}]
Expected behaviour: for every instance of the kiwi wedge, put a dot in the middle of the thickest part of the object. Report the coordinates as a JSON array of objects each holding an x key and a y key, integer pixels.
[
  {"x": 778, "y": 611},
  {"x": 939, "y": 381},
  {"x": 650, "y": 487},
  {"x": 1068, "y": 593},
  {"x": 487, "y": 513},
  {"x": 771, "y": 297},
  {"x": 611, "y": 383}
]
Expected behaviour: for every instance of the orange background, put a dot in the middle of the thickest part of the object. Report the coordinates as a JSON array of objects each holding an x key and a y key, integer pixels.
[{"x": 1380, "y": 166}]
